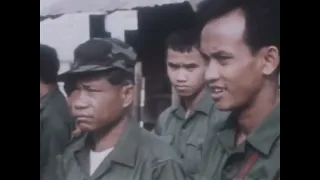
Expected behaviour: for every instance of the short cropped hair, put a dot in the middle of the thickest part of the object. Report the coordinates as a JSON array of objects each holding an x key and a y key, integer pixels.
[
  {"x": 262, "y": 19},
  {"x": 49, "y": 64},
  {"x": 183, "y": 40}
]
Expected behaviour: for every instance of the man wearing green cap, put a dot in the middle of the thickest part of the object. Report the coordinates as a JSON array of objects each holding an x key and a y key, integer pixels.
[{"x": 113, "y": 145}]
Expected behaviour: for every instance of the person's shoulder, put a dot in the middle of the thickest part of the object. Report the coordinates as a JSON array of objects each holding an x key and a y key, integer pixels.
[
  {"x": 157, "y": 156},
  {"x": 58, "y": 108},
  {"x": 162, "y": 120},
  {"x": 56, "y": 103},
  {"x": 59, "y": 101},
  {"x": 153, "y": 147},
  {"x": 165, "y": 113}
]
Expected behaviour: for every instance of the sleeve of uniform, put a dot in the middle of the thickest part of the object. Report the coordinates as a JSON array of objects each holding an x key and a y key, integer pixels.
[
  {"x": 157, "y": 129},
  {"x": 169, "y": 169},
  {"x": 55, "y": 170},
  {"x": 55, "y": 137},
  {"x": 277, "y": 177}
]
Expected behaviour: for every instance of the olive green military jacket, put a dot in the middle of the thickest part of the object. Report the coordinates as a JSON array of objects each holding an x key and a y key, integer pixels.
[
  {"x": 222, "y": 160},
  {"x": 56, "y": 125},
  {"x": 186, "y": 135},
  {"x": 138, "y": 155}
]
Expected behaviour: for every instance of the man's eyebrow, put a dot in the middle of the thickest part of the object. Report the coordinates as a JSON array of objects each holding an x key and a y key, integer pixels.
[
  {"x": 85, "y": 85},
  {"x": 219, "y": 53},
  {"x": 190, "y": 65},
  {"x": 172, "y": 64}
]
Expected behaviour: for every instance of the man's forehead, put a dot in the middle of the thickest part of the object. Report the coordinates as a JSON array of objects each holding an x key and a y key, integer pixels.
[
  {"x": 217, "y": 50},
  {"x": 185, "y": 57},
  {"x": 231, "y": 25},
  {"x": 223, "y": 35},
  {"x": 90, "y": 80}
]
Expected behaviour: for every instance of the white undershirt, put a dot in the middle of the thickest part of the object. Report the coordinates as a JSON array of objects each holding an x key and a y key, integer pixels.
[{"x": 96, "y": 158}]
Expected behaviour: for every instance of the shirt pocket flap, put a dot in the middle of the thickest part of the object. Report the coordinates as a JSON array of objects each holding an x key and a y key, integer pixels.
[
  {"x": 196, "y": 142},
  {"x": 167, "y": 138}
]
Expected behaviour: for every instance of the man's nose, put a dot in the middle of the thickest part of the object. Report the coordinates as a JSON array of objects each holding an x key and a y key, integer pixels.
[
  {"x": 182, "y": 75},
  {"x": 212, "y": 71},
  {"x": 80, "y": 102}
]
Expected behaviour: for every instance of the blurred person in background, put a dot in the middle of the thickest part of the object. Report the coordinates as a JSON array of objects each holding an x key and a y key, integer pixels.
[
  {"x": 56, "y": 123},
  {"x": 69, "y": 87}
]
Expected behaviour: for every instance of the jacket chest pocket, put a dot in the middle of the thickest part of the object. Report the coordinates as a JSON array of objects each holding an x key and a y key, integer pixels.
[
  {"x": 194, "y": 147},
  {"x": 192, "y": 154}
]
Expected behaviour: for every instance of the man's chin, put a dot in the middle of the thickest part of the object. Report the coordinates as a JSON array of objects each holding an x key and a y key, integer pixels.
[
  {"x": 221, "y": 106},
  {"x": 184, "y": 94},
  {"x": 85, "y": 128}
]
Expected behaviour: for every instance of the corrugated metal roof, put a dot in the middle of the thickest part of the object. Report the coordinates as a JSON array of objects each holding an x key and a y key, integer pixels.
[
  {"x": 103, "y": 6},
  {"x": 47, "y": 3}
]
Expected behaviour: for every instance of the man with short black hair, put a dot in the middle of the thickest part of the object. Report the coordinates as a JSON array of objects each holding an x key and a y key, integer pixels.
[
  {"x": 112, "y": 145},
  {"x": 185, "y": 125},
  {"x": 241, "y": 42},
  {"x": 56, "y": 123}
]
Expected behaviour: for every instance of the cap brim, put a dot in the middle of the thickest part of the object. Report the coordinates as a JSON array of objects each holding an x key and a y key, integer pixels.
[{"x": 81, "y": 70}]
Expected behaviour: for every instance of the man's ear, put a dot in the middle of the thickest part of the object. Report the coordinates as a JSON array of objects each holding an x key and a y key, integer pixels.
[
  {"x": 271, "y": 60},
  {"x": 127, "y": 93}
]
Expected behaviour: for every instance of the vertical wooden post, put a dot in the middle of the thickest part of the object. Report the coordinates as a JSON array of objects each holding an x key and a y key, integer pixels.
[
  {"x": 136, "y": 103},
  {"x": 142, "y": 101}
]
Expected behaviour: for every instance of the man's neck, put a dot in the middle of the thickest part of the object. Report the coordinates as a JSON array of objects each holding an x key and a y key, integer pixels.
[
  {"x": 108, "y": 138},
  {"x": 253, "y": 115},
  {"x": 190, "y": 102}
]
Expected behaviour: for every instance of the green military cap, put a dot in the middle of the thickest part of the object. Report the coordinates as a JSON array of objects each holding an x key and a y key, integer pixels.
[{"x": 97, "y": 54}]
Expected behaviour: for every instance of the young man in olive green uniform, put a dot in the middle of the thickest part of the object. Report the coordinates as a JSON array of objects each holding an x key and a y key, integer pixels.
[
  {"x": 241, "y": 42},
  {"x": 184, "y": 125},
  {"x": 114, "y": 146},
  {"x": 56, "y": 123}
]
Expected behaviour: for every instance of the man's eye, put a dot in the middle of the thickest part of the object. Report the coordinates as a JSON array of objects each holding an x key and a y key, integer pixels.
[
  {"x": 94, "y": 90},
  {"x": 91, "y": 89},
  {"x": 222, "y": 58},
  {"x": 191, "y": 66}
]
